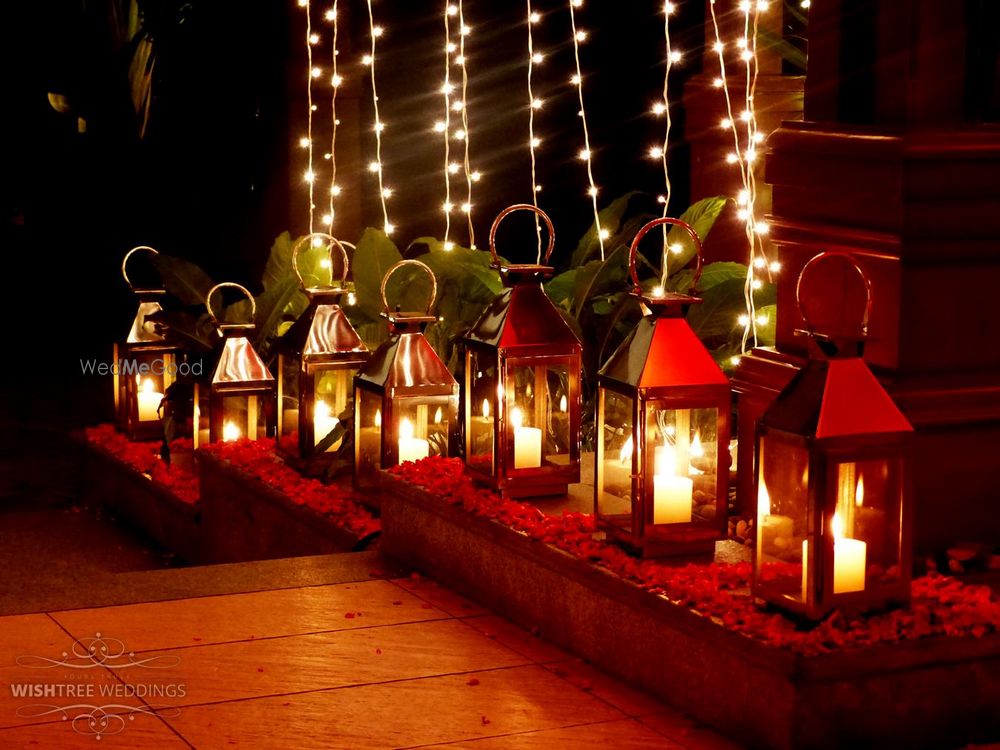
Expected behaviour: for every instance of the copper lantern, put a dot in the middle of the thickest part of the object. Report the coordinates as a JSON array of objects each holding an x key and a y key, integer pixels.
[
  {"x": 317, "y": 361},
  {"x": 406, "y": 400},
  {"x": 145, "y": 364},
  {"x": 522, "y": 384},
  {"x": 662, "y": 431},
  {"x": 832, "y": 482},
  {"x": 238, "y": 401}
]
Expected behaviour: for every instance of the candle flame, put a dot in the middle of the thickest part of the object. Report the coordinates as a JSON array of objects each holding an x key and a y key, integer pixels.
[
  {"x": 437, "y": 416},
  {"x": 563, "y": 404},
  {"x": 405, "y": 429},
  {"x": 666, "y": 461},
  {"x": 516, "y": 417},
  {"x": 230, "y": 432},
  {"x": 528, "y": 391},
  {"x": 859, "y": 493},
  {"x": 486, "y": 408},
  {"x": 378, "y": 417},
  {"x": 147, "y": 385},
  {"x": 321, "y": 410},
  {"x": 697, "y": 451},
  {"x": 625, "y": 454},
  {"x": 837, "y": 526},
  {"x": 763, "y": 501}
]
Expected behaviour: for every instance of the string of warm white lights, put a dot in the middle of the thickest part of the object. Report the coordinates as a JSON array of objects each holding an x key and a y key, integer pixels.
[
  {"x": 534, "y": 104},
  {"x": 307, "y": 140},
  {"x": 376, "y": 167},
  {"x": 335, "y": 81},
  {"x": 444, "y": 126},
  {"x": 470, "y": 176},
  {"x": 744, "y": 156},
  {"x": 586, "y": 154},
  {"x": 661, "y": 108}
]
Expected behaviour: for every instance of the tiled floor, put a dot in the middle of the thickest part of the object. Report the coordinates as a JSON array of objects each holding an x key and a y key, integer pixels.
[{"x": 372, "y": 664}]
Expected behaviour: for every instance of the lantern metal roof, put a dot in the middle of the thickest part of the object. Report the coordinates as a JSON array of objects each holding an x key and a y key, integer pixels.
[
  {"x": 835, "y": 394},
  {"x": 239, "y": 364}
]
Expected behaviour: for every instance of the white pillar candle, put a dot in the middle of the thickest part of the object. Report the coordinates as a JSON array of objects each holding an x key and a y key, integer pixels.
[
  {"x": 849, "y": 558},
  {"x": 323, "y": 423},
  {"x": 527, "y": 442},
  {"x": 149, "y": 401},
  {"x": 411, "y": 448},
  {"x": 671, "y": 494}
]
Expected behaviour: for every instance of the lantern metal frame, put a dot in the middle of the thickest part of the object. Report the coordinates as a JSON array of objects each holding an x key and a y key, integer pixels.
[
  {"x": 145, "y": 354},
  {"x": 239, "y": 373},
  {"x": 836, "y": 415},
  {"x": 321, "y": 341},
  {"x": 521, "y": 328},
  {"x": 662, "y": 365},
  {"x": 403, "y": 371}
]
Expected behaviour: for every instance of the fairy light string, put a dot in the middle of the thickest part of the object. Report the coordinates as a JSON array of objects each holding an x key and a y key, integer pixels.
[
  {"x": 335, "y": 81},
  {"x": 307, "y": 141},
  {"x": 376, "y": 167},
  {"x": 533, "y": 18},
  {"x": 470, "y": 176},
  {"x": 444, "y": 126},
  {"x": 586, "y": 154}
]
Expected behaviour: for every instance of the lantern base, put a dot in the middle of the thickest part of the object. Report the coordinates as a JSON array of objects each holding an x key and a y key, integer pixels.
[
  {"x": 311, "y": 466},
  {"x": 550, "y": 482},
  {"x": 688, "y": 545},
  {"x": 143, "y": 431}
]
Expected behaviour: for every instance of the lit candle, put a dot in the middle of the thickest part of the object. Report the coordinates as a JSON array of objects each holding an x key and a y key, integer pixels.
[
  {"x": 671, "y": 494},
  {"x": 527, "y": 442},
  {"x": 848, "y": 560},
  {"x": 775, "y": 531},
  {"x": 563, "y": 405},
  {"x": 231, "y": 432},
  {"x": 323, "y": 423},
  {"x": 149, "y": 401},
  {"x": 411, "y": 448}
]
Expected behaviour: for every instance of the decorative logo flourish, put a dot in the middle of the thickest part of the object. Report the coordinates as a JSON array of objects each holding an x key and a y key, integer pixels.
[
  {"x": 98, "y": 721},
  {"x": 99, "y": 651}
]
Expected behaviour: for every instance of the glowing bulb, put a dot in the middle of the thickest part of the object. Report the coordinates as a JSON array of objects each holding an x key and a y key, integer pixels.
[
  {"x": 718, "y": 83},
  {"x": 742, "y": 214},
  {"x": 459, "y": 59},
  {"x": 314, "y": 39},
  {"x": 676, "y": 248},
  {"x": 330, "y": 15},
  {"x": 762, "y": 5},
  {"x": 659, "y": 108},
  {"x": 147, "y": 386},
  {"x": 668, "y": 8},
  {"x": 759, "y": 262},
  {"x": 731, "y": 158},
  {"x": 536, "y": 103},
  {"x": 379, "y": 127},
  {"x": 746, "y": 55},
  {"x": 457, "y": 105},
  {"x": 725, "y": 123},
  {"x": 334, "y": 189},
  {"x": 756, "y": 284},
  {"x": 761, "y": 320},
  {"x": 743, "y": 320},
  {"x": 327, "y": 219},
  {"x": 584, "y": 154},
  {"x": 537, "y": 57},
  {"x": 387, "y": 192},
  {"x": 745, "y": 115},
  {"x": 741, "y": 42},
  {"x": 309, "y": 175},
  {"x": 604, "y": 233},
  {"x": 805, "y": 4},
  {"x": 459, "y": 135},
  {"x": 230, "y": 432},
  {"x": 351, "y": 298},
  {"x": 447, "y": 207},
  {"x": 761, "y": 227},
  {"x": 592, "y": 191},
  {"x": 758, "y": 137},
  {"x": 536, "y": 142},
  {"x": 535, "y": 17},
  {"x": 447, "y": 88},
  {"x": 538, "y": 188},
  {"x": 774, "y": 267},
  {"x": 466, "y": 207},
  {"x": 718, "y": 47},
  {"x": 675, "y": 56},
  {"x": 734, "y": 360},
  {"x": 336, "y": 80},
  {"x": 450, "y": 47},
  {"x": 743, "y": 197},
  {"x": 439, "y": 127},
  {"x": 575, "y": 79},
  {"x": 388, "y": 228},
  {"x": 746, "y": 6},
  {"x": 661, "y": 199},
  {"x": 581, "y": 36},
  {"x": 316, "y": 72},
  {"x": 374, "y": 166},
  {"x": 657, "y": 291},
  {"x": 625, "y": 454},
  {"x": 377, "y": 31},
  {"x": 449, "y": 245},
  {"x": 476, "y": 176},
  {"x": 576, "y": 3},
  {"x": 454, "y": 167},
  {"x": 465, "y": 31},
  {"x": 452, "y": 10}
]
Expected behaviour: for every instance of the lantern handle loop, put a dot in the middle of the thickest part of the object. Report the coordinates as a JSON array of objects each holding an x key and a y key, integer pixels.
[
  {"x": 810, "y": 328},
  {"x": 522, "y": 207},
  {"x": 233, "y": 285},
  {"x": 418, "y": 264},
  {"x": 652, "y": 225},
  {"x": 329, "y": 240},
  {"x": 128, "y": 255}
]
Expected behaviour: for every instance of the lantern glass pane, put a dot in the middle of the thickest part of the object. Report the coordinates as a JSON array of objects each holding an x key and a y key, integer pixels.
[
  {"x": 333, "y": 395},
  {"x": 483, "y": 411},
  {"x": 537, "y": 398},
  {"x": 369, "y": 437},
  {"x": 156, "y": 373},
  {"x": 615, "y": 448},
  {"x": 682, "y": 457},
  {"x": 288, "y": 368},
  {"x": 867, "y": 511},
  {"x": 782, "y": 514},
  {"x": 243, "y": 416},
  {"x": 422, "y": 427}
]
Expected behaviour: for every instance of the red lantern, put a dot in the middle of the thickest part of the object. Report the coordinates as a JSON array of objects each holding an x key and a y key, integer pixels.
[
  {"x": 522, "y": 384},
  {"x": 405, "y": 399},
  {"x": 239, "y": 399},
  {"x": 662, "y": 459},
  {"x": 318, "y": 359},
  {"x": 145, "y": 365},
  {"x": 832, "y": 481}
]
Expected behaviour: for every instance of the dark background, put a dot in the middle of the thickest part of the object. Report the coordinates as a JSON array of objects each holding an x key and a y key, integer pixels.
[{"x": 218, "y": 174}]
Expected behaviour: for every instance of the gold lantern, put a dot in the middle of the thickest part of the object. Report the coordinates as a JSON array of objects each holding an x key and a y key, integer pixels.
[{"x": 240, "y": 397}]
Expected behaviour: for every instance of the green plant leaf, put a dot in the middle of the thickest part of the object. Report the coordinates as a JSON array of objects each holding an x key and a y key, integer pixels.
[
  {"x": 701, "y": 216},
  {"x": 712, "y": 274},
  {"x": 183, "y": 279},
  {"x": 196, "y": 331},
  {"x": 766, "y": 332},
  {"x": 374, "y": 256},
  {"x": 613, "y": 219},
  {"x": 560, "y": 288},
  {"x": 723, "y": 304},
  {"x": 600, "y": 277},
  {"x": 271, "y": 307}
]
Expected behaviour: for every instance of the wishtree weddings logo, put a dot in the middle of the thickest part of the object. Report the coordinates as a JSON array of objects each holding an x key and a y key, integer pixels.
[
  {"x": 94, "y": 690},
  {"x": 135, "y": 367}
]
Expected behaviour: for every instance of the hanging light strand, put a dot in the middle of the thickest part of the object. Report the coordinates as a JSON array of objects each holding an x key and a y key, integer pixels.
[
  {"x": 335, "y": 81},
  {"x": 533, "y": 104},
  {"x": 663, "y": 107},
  {"x": 376, "y": 166},
  {"x": 310, "y": 175},
  {"x": 463, "y": 32},
  {"x": 586, "y": 154},
  {"x": 444, "y": 126}
]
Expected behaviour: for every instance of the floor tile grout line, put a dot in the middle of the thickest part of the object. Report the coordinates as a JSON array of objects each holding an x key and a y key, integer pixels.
[
  {"x": 181, "y": 597},
  {"x": 512, "y": 649},
  {"x": 199, "y": 644},
  {"x": 397, "y": 681},
  {"x": 437, "y": 606},
  {"x": 122, "y": 681}
]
